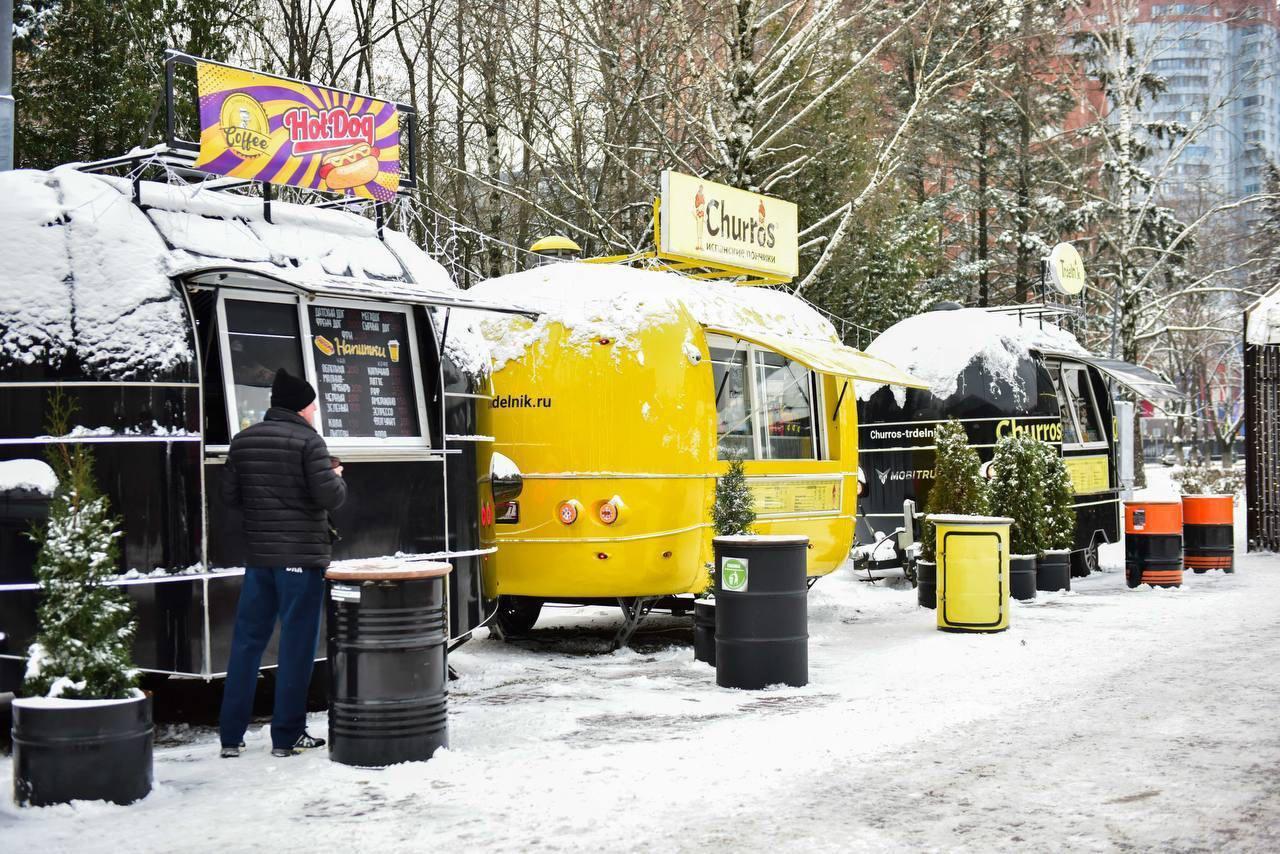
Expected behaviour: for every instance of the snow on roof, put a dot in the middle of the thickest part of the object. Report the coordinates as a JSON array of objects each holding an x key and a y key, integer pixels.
[
  {"x": 614, "y": 301},
  {"x": 85, "y": 246},
  {"x": 30, "y": 475},
  {"x": 938, "y": 346},
  {"x": 1263, "y": 326},
  {"x": 81, "y": 251}
]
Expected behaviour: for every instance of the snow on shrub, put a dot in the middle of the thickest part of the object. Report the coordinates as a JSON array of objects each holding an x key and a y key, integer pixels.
[
  {"x": 86, "y": 625},
  {"x": 958, "y": 486},
  {"x": 1017, "y": 491},
  {"x": 1206, "y": 479}
]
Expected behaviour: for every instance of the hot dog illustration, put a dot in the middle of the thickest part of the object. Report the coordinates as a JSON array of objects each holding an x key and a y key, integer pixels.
[
  {"x": 350, "y": 167},
  {"x": 324, "y": 345}
]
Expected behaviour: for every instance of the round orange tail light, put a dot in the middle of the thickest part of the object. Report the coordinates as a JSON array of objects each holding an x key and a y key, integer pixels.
[
  {"x": 608, "y": 512},
  {"x": 567, "y": 512}
]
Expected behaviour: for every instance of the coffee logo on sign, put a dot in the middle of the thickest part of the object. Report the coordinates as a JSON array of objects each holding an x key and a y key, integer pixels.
[{"x": 244, "y": 123}]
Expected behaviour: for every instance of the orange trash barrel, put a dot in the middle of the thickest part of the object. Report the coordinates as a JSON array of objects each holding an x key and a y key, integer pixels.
[
  {"x": 1207, "y": 532},
  {"x": 1153, "y": 543}
]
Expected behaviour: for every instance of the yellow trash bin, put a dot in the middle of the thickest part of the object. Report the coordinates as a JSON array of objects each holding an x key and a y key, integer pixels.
[{"x": 973, "y": 572}]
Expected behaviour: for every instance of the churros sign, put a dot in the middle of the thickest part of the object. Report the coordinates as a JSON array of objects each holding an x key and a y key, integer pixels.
[{"x": 266, "y": 128}]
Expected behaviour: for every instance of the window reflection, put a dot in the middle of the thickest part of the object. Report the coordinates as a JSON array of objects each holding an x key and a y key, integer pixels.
[
  {"x": 1080, "y": 400},
  {"x": 786, "y": 398},
  {"x": 733, "y": 404},
  {"x": 263, "y": 337}
]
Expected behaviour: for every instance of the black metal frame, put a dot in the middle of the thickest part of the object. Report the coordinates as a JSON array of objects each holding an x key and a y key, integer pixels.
[
  {"x": 174, "y": 58},
  {"x": 1262, "y": 445}
]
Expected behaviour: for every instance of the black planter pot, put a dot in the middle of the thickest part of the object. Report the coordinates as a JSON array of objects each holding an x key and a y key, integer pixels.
[
  {"x": 704, "y": 631},
  {"x": 81, "y": 750},
  {"x": 1053, "y": 571},
  {"x": 927, "y": 583},
  {"x": 1022, "y": 577}
]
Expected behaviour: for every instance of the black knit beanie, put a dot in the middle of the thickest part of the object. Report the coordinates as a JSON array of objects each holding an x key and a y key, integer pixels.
[{"x": 292, "y": 393}]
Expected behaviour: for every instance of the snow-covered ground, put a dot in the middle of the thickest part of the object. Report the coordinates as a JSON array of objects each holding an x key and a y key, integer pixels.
[{"x": 1104, "y": 719}]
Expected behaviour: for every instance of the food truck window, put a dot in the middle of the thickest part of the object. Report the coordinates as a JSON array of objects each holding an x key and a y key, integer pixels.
[
  {"x": 365, "y": 379},
  {"x": 733, "y": 403},
  {"x": 360, "y": 356},
  {"x": 1080, "y": 403},
  {"x": 261, "y": 338},
  {"x": 786, "y": 398}
]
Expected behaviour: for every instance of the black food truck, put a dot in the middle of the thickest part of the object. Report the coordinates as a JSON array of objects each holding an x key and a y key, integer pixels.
[
  {"x": 997, "y": 374},
  {"x": 161, "y": 311}
]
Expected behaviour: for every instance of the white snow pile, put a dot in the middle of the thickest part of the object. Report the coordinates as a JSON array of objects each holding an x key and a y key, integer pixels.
[
  {"x": 29, "y": 475},
  {"x": 593, "y": 301},
  {"x": 1264, "y": 320},
  {"x": 938, "y": 346},
  {"x": 78, "y": 249}
]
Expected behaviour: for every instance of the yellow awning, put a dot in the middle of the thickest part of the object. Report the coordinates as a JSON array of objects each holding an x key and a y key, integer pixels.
[{"x": 829, "y": 357}]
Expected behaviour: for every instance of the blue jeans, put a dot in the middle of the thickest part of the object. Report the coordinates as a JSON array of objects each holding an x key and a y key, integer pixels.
[{"x": 294, "y": 596}]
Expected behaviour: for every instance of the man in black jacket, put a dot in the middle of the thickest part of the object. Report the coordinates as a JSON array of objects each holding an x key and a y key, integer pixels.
[{"x": 279, "y": 473}]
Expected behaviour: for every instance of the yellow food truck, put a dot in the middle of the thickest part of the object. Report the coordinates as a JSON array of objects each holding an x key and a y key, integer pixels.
[{"x": 624, "y": 401}]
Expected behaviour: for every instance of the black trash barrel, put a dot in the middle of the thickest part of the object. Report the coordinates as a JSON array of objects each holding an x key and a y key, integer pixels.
[
  {"x": 704, "y": 631},
  {"x": 388, "y": 671},
  {"x": 1207, "y": 532},
  {"x": 1053, "y": 571},
  {"x": 927, "y": 583},
  {"x": 1153, "y": 543},
  {"x": 1022, "y": 577},
  {"x": 81, "y": 750},
  {"x": 762, "y": 611}
]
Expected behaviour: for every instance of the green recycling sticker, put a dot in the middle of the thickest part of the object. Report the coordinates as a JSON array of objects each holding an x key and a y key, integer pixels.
[{"x": 733, "y": 574}]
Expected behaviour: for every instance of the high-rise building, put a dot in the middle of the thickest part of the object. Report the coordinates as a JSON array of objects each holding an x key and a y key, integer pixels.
[{"x": 1222, "y": 60}]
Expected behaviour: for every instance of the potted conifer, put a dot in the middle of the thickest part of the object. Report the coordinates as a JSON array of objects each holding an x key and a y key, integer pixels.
[
  {"x": 1017, "y": 491},
  {"x": 958, "y": 488},
  {"x": 1053, "y": 570},
  {"x": 82, "y": 729},
  {"x": 732, "y": 513}
]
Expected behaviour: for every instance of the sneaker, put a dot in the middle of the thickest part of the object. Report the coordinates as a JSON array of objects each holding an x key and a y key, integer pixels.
[
  {"x": 308, "y": 742},
  {"x": 284, "y": 751},
  {"x": 232, "y": 752}
]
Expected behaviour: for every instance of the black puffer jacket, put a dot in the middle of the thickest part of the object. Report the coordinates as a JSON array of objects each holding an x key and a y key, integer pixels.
[{"x": 279, "y": 474}]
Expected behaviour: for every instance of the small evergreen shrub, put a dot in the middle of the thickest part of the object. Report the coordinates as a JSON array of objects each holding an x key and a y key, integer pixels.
[
  {"x": 734, "y": 510},
  {"x": 82, "y": 648},
  {"x": 1017, "y": 491},
  {"x": 1059, "y": 520},
  {"x": 958, "y": 486},
  {"x": 1207, "y": 479}
]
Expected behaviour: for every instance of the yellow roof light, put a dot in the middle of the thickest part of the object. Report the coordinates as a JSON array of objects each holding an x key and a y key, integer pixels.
[{"x": 555, "y": 243}]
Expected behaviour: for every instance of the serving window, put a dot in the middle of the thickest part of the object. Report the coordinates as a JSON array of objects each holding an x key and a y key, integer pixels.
[
  {"x": 1081, "y": 424},
  {"x": 361, "y": 358},
  {"x": 766, "y": 404}
]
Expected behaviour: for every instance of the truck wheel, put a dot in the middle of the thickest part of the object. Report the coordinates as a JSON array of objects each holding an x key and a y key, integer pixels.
[
  {"x": 517, "y": 614},
  {"x": 1085, "y": 561}
]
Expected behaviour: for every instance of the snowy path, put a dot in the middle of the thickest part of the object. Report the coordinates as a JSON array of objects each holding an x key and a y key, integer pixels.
[{"x": 1105, "y": 719}]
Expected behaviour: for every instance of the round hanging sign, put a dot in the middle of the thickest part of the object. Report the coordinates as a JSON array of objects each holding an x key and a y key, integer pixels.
[{"x": 1066, "y": 269}]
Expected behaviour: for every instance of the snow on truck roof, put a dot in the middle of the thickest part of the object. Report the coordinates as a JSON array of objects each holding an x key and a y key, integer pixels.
[
  {"x": 938, "y": 346},
  {"x": 593, "y": 301},
  {"x": 1263, "y": 319},
  {"x": 87, "y": 251}
]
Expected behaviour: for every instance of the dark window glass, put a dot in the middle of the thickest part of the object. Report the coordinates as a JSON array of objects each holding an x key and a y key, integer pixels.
[
  {"x": 786, "y": 393},
  {"x": 733, "y": 403},
  {"x": 1080, "y": 399},
  {"x": 263, "y": 337}
]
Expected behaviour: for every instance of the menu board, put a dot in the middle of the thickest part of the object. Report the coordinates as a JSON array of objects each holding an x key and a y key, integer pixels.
[{"x": 364, "y": 376}]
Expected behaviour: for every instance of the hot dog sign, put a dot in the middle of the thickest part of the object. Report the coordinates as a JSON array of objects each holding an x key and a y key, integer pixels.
[{"x": 281, "y": 131}]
